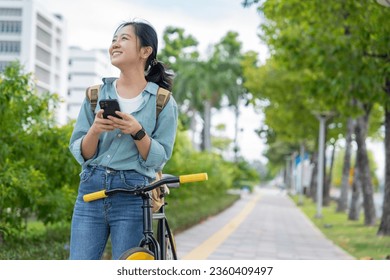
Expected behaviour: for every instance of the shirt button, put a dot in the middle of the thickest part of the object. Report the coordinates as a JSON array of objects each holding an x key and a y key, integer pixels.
[
  {"x": 108, "y": 156},
  {"x": 119, "y": 135}
]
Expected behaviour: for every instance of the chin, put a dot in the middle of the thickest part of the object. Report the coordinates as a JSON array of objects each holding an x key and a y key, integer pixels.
[{"x": 115, "y": 63}]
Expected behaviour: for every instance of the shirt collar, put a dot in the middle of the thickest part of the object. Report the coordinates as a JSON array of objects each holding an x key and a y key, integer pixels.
[{"x": 151, "y": 88}]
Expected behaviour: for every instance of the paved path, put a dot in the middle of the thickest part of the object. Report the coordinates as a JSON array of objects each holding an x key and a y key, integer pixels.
[{"x": 262, "y": 225}]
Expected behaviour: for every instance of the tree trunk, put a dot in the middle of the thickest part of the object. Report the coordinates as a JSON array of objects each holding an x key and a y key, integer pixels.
[
  {"x": 342, "y": 203},
  {"x": 206, "y": 141},
  {"x": 313, "y": 180},
  {"x": 354, "y": 208},
  {"x": 364, "y": 168},
  {"x": 302, "y": 173},
  {"x": 287, "y": 175},
  {"x": 324, "y": 190},
  {"x": 236, "y": 130},
  {"x": 193, "y": 124},
  {"x": 293, "y": 177},
  {"x": 384, "y": 227},
  {"x": 328, "y": 181}
]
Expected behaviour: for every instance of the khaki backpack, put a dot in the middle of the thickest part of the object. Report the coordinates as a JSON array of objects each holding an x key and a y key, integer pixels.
[{"x": 162, "y": 98}]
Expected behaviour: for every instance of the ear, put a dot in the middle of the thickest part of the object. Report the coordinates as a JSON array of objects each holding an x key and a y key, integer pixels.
[{"x": 146, "y": 52}]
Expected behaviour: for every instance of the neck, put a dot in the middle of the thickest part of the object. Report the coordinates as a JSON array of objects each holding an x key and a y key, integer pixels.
[{"x": 130, "y": 83}]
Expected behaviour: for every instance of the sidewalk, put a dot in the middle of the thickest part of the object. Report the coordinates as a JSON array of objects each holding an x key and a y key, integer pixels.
[{"x": 262, "y": 225}]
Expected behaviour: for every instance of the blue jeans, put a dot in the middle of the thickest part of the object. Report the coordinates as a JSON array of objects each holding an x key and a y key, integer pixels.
[{"x": 119, "y": 215}]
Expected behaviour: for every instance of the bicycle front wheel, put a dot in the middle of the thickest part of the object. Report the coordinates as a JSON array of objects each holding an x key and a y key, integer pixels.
[{"x": 137, "y": 253}]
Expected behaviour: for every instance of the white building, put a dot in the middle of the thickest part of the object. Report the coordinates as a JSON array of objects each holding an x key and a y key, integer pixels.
[
  {"x": 86, "y": 68},
  {"x": 37, "y": 38}
]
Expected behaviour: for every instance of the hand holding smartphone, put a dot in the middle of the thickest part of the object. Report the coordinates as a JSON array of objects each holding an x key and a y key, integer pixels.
[{"x": 109, "y": 106}]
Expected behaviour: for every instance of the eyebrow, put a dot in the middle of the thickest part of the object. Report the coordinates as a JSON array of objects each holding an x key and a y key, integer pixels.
[{"x": 121, "y": 34}]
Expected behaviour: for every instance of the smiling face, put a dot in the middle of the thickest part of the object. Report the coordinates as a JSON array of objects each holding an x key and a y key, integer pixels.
[{"x": 125, "y": 49}]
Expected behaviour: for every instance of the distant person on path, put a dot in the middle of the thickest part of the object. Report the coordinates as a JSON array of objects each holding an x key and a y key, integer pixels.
[{"x": 121, "y": 152}]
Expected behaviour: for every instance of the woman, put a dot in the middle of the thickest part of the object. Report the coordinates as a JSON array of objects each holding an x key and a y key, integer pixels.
[{"x": 121, "y": 152}]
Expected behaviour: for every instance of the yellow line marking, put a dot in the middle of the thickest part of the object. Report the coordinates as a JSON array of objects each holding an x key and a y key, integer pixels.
[{"x": 212, "y": 243}]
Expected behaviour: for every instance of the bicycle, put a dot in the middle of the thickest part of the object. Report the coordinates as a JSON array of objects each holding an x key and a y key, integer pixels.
[{"x": 151, "y": 247}]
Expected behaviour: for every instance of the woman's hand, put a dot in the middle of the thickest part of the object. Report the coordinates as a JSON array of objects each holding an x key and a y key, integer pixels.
[
  {"x": 101, "y": 124},
  {"x": 91, "y": 139},
  {"x": 128, "y": 124}
]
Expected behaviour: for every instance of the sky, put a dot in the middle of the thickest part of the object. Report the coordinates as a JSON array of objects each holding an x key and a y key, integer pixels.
[{"x": 91, "y": 24}]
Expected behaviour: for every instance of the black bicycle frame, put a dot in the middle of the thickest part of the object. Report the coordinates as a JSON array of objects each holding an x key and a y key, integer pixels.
[{"x": 148, "y": 239}]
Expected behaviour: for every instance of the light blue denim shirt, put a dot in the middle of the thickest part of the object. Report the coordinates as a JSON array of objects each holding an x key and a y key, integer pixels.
[{"x": 117, "y": 150}]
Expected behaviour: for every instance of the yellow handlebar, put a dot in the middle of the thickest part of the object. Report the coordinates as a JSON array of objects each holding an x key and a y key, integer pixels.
[
  {"x": 182, "y": 179},
  {"x": 94, "y": 196},
  {"x": 193, "y": 178}
]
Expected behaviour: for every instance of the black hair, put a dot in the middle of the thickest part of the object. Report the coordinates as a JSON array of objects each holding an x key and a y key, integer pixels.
[{"x": 155, "y": 71}]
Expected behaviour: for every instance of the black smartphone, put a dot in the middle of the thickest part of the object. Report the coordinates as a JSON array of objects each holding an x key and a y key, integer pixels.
[{"x": 109, "y": 106}]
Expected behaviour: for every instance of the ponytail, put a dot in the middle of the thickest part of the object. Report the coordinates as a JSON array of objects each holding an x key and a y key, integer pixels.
[{"x": 158, "y": 73}]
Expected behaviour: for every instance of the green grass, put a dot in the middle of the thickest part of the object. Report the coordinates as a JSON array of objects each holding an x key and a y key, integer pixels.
[
  {"x": 354, "y": 237},
  {"x": 38, "y": 242}
]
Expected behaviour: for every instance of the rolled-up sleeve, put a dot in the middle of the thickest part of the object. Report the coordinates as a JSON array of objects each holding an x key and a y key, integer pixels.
[
  {"x": 163, "y": 137},
  {"x": 75, "y": 149},
  {"x": 83, "y": 123}
]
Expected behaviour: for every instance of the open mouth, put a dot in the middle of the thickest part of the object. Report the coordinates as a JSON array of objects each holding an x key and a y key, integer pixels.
[{"x": 115, "y": 53}]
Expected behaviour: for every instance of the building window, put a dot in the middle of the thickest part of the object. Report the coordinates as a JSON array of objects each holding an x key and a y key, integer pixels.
[
  {"x": 11, "y": 47},
  {"x": 57, "y": 81},
  {"x": 43, "y": 37},
  {"x": 43, "y": 56},
  {"x": 58, "y": 64},
  {"x": 10, "y": 26},
  {"x": 44, "y": 21},
  {"x": 40, "y": 89},
  {"x": 42, "y": 74},
  {"x": 58, "y": 45},
  {"x": 10, "y": 12}
]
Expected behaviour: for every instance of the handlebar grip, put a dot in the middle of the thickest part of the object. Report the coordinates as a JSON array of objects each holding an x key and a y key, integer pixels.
[
  {"x": 193, "y": 178},
  {"x": 94, "y": 196}
]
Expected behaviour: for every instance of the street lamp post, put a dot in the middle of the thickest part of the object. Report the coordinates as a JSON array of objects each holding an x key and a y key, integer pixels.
[
  {"x": 287, "y": 173},
  {"x": 322, "y": 117},
  {"x": 302, "y": 156}
]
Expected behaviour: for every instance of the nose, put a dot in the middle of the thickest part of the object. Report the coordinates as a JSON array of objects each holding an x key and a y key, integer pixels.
[{"x": 114, "y": 45}]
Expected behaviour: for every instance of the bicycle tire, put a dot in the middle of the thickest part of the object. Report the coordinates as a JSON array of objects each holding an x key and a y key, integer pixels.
[
  {"x": 137, "y": 253},
  {"x": 169, "y": 243},
  {"x": 170, "y": 248}
]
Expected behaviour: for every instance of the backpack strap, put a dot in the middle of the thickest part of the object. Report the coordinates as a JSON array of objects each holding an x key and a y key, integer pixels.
[
  {"x": 162, "y": 99},
  {"x": 92, "y": 94}
]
